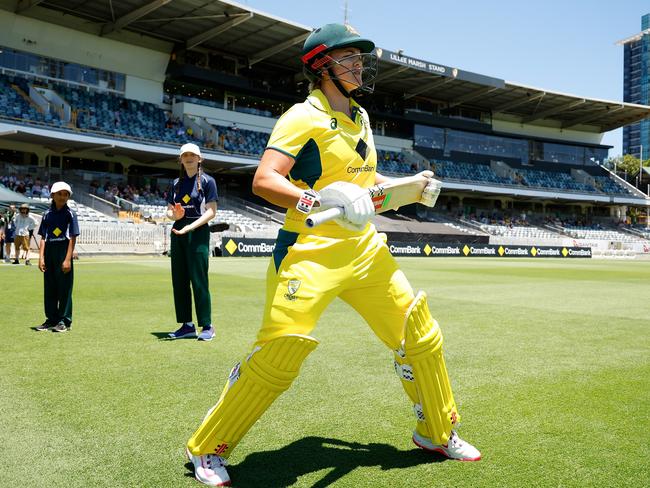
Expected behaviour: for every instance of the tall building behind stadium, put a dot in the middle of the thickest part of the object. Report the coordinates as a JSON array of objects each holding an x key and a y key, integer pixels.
[
  {"x": 102, "y": 94},
  {"x": 636, "y": 88}
]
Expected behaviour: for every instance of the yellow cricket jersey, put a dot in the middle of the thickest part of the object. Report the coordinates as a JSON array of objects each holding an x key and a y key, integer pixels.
[{"x": 327, "y": 146}]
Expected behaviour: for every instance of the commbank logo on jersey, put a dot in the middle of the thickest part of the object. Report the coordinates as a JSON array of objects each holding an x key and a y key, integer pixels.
[
  {"x": 186, "y": 198},
  {"x": 292, "y": 288}
]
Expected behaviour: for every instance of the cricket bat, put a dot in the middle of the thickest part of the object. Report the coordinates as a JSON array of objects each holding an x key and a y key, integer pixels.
[{"x": 386, "y": 196}]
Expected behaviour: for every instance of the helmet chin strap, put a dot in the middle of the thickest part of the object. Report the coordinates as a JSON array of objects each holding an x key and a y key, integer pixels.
[{"x": 337, "y": 83}]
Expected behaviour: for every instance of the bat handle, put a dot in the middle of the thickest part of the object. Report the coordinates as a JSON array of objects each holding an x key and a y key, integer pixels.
[{"x": 324, "y": 216}]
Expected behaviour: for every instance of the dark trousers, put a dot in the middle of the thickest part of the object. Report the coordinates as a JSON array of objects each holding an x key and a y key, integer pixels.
[
  {"x": 57, "y": 289},
  {"x": 189, "y": 256}
]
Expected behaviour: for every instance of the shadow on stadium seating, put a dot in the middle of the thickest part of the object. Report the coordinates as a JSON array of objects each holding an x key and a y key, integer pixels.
[{"x": 284, "y": 466}]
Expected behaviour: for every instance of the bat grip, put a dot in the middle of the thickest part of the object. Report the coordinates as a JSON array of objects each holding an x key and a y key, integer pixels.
[{"x": 324, "y": 216}]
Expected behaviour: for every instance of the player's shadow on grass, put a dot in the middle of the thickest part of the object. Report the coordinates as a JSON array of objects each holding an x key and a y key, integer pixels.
[
  {"x": 283, "y": 467},
  {"x": 163, "y": 336}
]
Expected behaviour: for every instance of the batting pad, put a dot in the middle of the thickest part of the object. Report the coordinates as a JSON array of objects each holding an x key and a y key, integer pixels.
[
  {"x": 405, "y": 373},
  {"x": 252, "y": 387},
  {"x": 423, "y": 350}
]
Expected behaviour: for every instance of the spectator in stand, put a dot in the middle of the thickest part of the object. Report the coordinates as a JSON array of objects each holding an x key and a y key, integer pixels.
[
  {"x": 45, "y": 192},
  {"x": 25, "y": 225},
  {"x": 37, "y": 188}
]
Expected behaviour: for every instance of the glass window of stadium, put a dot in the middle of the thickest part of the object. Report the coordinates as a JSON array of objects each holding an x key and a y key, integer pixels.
[
  {"x": 470, "y": 142},
  {"x": 253, "y": 105},
  {"x": 430, "y": 137},
  {"x": 595, "y": 155},
  {"x": 562, "y": 153},
  {"x": 54, "y": 69}
]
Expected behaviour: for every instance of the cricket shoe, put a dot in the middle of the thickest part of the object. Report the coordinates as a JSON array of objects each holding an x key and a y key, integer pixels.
[
  {"x": 209, "y": 469},
  {"x": 44, "y": 326},
  {"x": 60, "y": 327},
  {"x": 456, "y": 448},
  {"x": 184, "y": 331},
  {"x": 207, "y": 333}
]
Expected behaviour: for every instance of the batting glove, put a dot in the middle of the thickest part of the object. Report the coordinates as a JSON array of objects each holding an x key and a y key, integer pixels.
[{"x": 355, "y": 201}]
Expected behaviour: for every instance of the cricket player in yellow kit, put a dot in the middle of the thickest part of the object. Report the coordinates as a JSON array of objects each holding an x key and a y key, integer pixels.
[{"x": 325, "y": 147}]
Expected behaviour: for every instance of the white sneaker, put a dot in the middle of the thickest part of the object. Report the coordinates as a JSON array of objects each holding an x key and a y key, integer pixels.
[
  {"x": 207, "y": 334},
  {"x": 456, "y": 448},
  {"x": 209, "y": 469}
]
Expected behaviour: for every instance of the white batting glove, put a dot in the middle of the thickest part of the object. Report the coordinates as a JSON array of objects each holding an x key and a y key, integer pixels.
[
  {"x": 355, "y": 201},
  {"x": 431, "y": 191}
]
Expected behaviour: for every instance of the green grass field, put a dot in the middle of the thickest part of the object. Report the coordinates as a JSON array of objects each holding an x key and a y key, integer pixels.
[{"x": 550, "y": 362}]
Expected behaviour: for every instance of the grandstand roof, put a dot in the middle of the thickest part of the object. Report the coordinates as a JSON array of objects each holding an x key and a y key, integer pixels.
[{"x": 255, "y": 36}]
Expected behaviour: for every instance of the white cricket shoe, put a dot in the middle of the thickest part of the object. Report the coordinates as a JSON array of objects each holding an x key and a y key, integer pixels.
[
  {"x": 456, "y": 448},
  {"x": 209, "y": 469},
  {"x": 207, "y": 334}
]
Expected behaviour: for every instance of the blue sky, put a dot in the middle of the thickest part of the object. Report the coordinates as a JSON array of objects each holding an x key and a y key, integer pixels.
[{"x": 567, "y": 46}]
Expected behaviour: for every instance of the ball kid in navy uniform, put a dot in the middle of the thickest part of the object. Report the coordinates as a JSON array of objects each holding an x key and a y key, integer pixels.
[
  {"x": 192, "y": 203},
  {"x": 58, "y": 230}
]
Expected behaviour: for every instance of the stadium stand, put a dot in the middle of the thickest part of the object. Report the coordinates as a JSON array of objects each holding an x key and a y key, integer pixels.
[
  {"x": 518, "y": 231},
  {"x": 139, "y": 110},
  {"x": 238, "y": 221},
  {"x": 530, "y": 178},
  {"x": 93, "y": 111},
  {"x": 465, "y": 171},
  {"x": 599, "y": 234},
  {"x": 393, "y": 162},
  {"x": 241, "y": 141},
  {"x": 15, "y": 104}
]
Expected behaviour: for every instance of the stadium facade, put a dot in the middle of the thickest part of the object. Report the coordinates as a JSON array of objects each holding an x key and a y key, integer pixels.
[
  {"x": 110, "y": 89},
  {"x": 636, "y": 88}
]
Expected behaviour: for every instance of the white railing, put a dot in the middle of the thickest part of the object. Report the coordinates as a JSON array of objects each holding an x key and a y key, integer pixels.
[{"x": 122, "y": 238}]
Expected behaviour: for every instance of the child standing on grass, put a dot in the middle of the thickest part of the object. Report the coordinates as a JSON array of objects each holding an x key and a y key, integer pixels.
[
  {"x": 191, "y": 204},
  {"x": 59, "y": 230}
]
